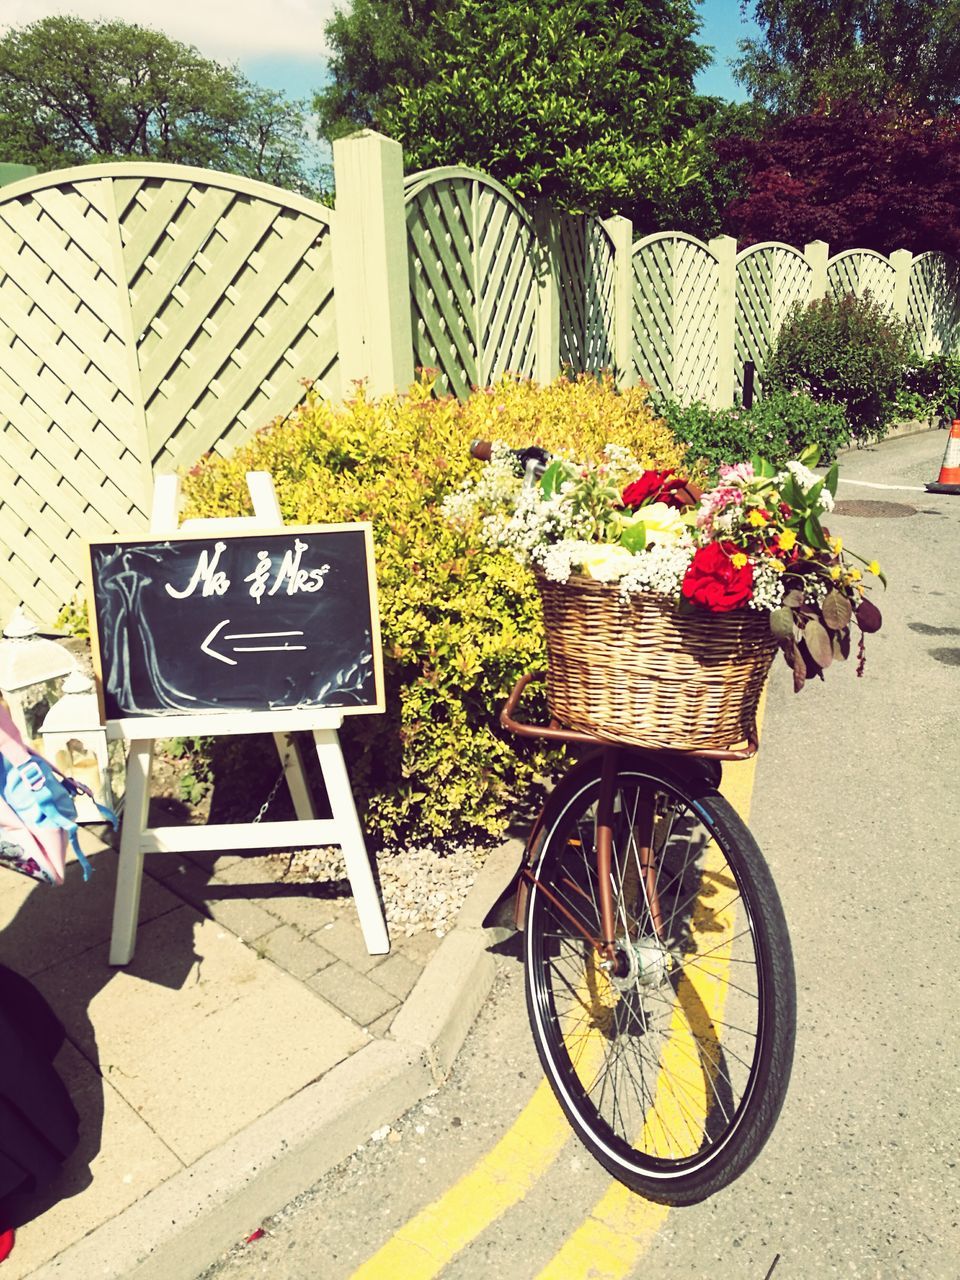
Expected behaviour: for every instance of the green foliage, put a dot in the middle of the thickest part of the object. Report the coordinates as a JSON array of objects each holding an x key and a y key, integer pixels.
[
  {"x": 73, "y": 91},
  {"x": 195, "y": 778},
  {"x": 376, "y": 47},
  {"x": 586, "y": 104},
  {"x": 779, "y": 427},
  {"x": 847, "y": 350},
  {"x": 930, "y": 388},
  {"x": 877, "y": 51},
  {"x": 460, "y": 622},
  {"x": 73, "y": 619}
]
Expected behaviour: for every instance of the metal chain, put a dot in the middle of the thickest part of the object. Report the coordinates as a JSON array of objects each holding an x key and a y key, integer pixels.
[{"x": 273, "y": 791}]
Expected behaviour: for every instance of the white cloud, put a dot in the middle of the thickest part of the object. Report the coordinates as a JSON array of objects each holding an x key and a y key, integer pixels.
[{"x": 227, "y": 30}]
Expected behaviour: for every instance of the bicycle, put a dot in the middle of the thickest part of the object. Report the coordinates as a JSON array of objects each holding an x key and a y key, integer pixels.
[{"x": 658, "y": 969}]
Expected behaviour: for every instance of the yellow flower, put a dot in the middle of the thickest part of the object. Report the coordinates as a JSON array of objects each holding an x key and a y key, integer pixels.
[
  {"x": 738, "y": 559},
  {"x": 777, "y": 565},
  {"x": 660, "y": 522},
  {"x": 837, "y": 544},
  {"x": 854, "y": 575},
  {"x": 835, "y": 572},
  {"x": 756, "y": 518},
  {"x": 874, "y": 568},
  {"x": 787, "y": 540}
]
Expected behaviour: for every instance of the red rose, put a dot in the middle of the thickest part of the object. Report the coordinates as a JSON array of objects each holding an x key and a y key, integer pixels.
[
  {"x": 660, "y": 486},
  {"x": 714, "y": 582}
]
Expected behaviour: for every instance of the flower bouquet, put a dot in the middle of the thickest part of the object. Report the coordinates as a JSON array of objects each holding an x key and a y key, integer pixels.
[{"x": 664, "y": 605}]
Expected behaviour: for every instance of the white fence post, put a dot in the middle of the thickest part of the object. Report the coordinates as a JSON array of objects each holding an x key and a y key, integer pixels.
[
  {"x": 817, "y": 252},
  {"x": 901, "y": 260},
  {"x": 724, "y": 249},
  {"x": 620, "y": 231},
  {"x": 547, "y": 364},
  {"x": 370, "y": 267}
]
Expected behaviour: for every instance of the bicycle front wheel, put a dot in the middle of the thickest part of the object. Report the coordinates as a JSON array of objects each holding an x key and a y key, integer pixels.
[{"x": 672, "y": 1067}]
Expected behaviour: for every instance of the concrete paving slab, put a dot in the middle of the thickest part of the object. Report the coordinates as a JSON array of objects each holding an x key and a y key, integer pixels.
[
  {"x": 354, "y": 993},
  {"x": 76, "y": 915},
  {"x": 292, "y": 951},
  {"x": 200, "y": 1035},
  {"x": 119, "y": 1161}
]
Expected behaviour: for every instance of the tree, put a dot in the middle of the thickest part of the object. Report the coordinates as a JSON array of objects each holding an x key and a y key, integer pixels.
[
  {"x": 73, "y": 91},
  {"x": 878, "y": 51},
  {"x": 588, "y": 104},
  {"x": 375, "y": 47},
  {"x": 857, "y": 178}
]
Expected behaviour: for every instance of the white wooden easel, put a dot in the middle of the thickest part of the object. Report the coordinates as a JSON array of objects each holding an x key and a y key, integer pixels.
[{"x": 343, "y": 828}]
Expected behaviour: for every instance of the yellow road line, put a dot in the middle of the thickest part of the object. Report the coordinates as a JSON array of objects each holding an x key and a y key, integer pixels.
[
  {"x": 620, "y": 1228},
  {"x": 425, "y": 1244}
]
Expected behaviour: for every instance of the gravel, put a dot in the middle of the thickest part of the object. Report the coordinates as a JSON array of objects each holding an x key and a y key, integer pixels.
[{"x": 423, "y": 887}]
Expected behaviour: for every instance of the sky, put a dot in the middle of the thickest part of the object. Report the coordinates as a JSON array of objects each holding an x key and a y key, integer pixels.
[{"x": 279, "y": 43}]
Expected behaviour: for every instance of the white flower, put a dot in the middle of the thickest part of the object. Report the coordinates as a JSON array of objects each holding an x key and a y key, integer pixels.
[{"x": 807, "y": 479}]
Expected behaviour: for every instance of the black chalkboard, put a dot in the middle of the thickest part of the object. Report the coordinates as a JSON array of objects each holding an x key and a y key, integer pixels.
[{"x": 236, "y": 622}]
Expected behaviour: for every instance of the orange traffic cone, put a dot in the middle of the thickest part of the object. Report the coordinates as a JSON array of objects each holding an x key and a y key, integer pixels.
[{"x": 949, "y": 479}]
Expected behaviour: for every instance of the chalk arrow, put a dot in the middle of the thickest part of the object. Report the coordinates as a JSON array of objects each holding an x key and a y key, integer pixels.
[
  {"x": 206, "y": 646},
  {"x": 212, "y": 653}
]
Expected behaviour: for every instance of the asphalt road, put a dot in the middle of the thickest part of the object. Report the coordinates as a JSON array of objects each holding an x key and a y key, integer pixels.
[{"x": 857, "y": 806}]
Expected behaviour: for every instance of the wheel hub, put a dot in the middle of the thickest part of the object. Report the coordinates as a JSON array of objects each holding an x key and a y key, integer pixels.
[{"x": 644, "y": 961}]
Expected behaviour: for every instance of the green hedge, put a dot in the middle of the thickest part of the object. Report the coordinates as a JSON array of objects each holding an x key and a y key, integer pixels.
[
  {"x": 778, "y": 427},
  {"x": 846, "y": 350}
]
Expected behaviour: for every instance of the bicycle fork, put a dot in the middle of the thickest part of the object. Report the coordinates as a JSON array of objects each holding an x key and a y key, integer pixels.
[{"x": 639, "y": 874}]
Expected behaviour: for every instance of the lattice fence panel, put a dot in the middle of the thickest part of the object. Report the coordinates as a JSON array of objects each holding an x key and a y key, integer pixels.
[
  {"x": 472, "y": 279},
  {"x": 147, "y": 314},
  {"x": 933, "y": 303},
  {"x": 507, "y": 286},
  {"x": 585, "y": 268},
  {"x": 71, "y": 463},
  {"x": 771, "y": 279},
  {"x": 860, "y": 271},
  {"x": 232, "y": 305},
  {"x": 675, "y": 316}
]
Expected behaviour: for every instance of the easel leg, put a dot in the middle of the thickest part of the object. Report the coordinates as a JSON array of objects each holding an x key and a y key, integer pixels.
[
  {"x": 288, "y": 750},
  {"x": 136, "y": 804},
  {"x": 372, "y": 923}
]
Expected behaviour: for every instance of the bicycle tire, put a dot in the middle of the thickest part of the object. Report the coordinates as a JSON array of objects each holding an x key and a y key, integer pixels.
[{"x": 674, "y": 1074}]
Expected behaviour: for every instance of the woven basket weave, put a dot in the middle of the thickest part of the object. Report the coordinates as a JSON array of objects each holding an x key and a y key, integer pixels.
[{"x": 639, "y": 671}]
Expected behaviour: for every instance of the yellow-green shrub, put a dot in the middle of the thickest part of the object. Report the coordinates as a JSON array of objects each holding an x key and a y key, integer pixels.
[{"x": 459, "y": 622}]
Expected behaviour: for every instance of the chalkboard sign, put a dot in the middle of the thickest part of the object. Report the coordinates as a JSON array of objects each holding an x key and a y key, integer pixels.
[{"x": 249, "y": 621}]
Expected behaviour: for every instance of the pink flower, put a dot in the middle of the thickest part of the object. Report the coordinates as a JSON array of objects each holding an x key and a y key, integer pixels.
[
  {"x": 739, "y": 473},
  {"x": 717, "y": 500}
]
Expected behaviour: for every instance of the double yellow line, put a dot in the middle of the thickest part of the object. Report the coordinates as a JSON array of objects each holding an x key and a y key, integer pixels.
[{"x": 617, "y": 1231}]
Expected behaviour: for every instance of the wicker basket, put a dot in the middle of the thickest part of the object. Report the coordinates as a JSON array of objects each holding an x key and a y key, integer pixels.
[{"x": 641, "y": 672}]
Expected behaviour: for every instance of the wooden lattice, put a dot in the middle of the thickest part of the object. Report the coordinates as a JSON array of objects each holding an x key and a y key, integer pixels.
[
  {"x": 675, "y": 316},
  {"x": 860, "y": 271},
  {"x": 933, "y": 303},
  {"x": 472, "y": 278},
  {"x": 148, "y": 313},
  {"x": 771, "y": 279},
  {"x": 585, "y": 272}
]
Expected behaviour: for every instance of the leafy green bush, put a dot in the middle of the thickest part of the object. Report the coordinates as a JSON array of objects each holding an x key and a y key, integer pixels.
[
  {"x": 778, "y": 427},
  {"x": 930, "y": 388},
  {"x": 847, "y": 350},
  {"x": 459, "y": 622}
]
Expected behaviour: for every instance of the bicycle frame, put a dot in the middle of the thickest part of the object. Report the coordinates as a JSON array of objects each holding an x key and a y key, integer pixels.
[{"x": 605, "y": 946}]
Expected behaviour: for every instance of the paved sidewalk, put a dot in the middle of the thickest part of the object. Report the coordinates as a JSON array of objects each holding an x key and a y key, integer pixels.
[{"x": 250, "y": 1045}]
